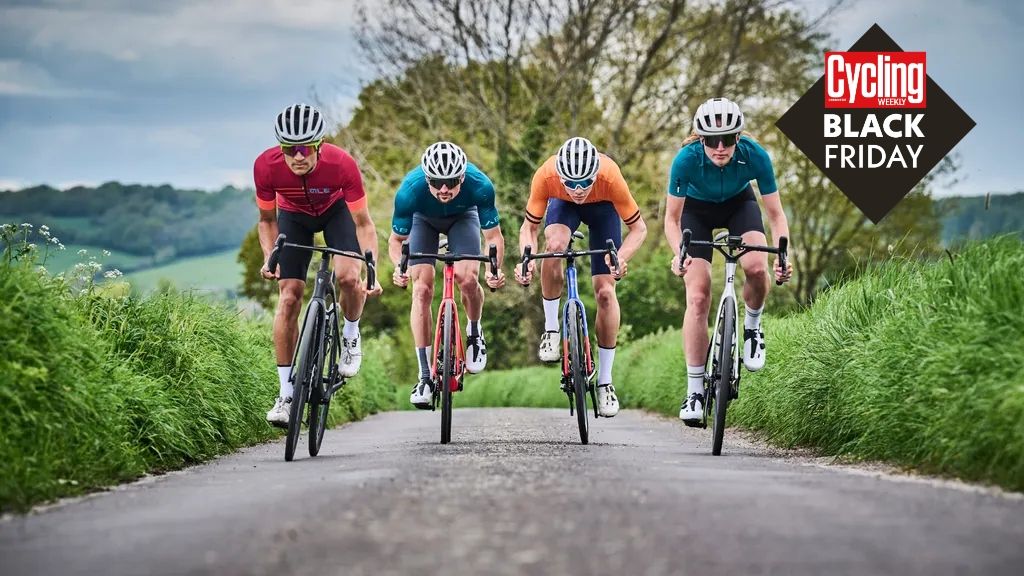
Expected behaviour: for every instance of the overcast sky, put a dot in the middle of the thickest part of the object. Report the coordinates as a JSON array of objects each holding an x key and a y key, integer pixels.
[{"x": 185, "y": 91}]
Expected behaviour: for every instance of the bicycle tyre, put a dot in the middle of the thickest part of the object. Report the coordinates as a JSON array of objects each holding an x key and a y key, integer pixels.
[
  {"x": 578, "y": 371},
  {"x": 724, "y": 381},
  {"x": 301, "y": 376},
  {"x": 447, "y": 371},
  {"x": 319, "y": 403}
]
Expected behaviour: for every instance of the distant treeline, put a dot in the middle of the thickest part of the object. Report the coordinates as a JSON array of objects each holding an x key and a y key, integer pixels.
[
  {"x": 968, "y": 218},
  {"x": 158, "y": 221}
]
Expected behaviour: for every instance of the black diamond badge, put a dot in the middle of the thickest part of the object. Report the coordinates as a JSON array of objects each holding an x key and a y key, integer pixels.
[{"x": 875, "y": 191}]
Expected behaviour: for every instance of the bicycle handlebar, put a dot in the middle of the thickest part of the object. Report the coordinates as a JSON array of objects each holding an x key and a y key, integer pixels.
[
  {"x": 367, "y": 257},
  {"x": 733, "y": 243},
  {"x": 449, "y": 257},
  {"x": 610, "y": 250}
]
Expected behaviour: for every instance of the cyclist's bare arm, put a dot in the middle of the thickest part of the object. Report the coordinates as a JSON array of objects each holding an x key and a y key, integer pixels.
[
  {"x": 494, "y": 236},
  {"x": 527, "y": 237},
  {"x": 366, "y": 232},
  {"x": 266, "y": 229},
  {"x": 780, "y": 227},
  {"x": 395, "y": 253},
  {"x": 637, "y": 232},
  {"x": 673, "y": 215}
]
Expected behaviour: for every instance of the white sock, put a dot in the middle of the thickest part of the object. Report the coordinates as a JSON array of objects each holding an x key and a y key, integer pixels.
[
  {"x": 551, "y": 315},
  {"x": 472, "y": 325},
  {"x": 605, "y": 358},
  {"x": 351, "y": 329},
  {"x": 752, "y": 320},
  {"x": 283, "y": 372},
  {"x": 694, "y": 380}
]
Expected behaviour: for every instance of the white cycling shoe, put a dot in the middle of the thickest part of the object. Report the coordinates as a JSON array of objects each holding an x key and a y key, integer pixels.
[
  {"x": 476, "y": 354},
  {"x": 550, "y": 351},
  {"x": 351, "y": 357},
  {"x": 422, "y": 395},
  {"x": 692, "y": 410},
  {"x": 753, "y": 349},
  {"x": 278, "y": 415},
  {"x": 607, "y": 402}
]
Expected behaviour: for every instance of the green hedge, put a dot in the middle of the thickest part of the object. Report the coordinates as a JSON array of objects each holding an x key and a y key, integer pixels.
[
  {"x": 96, "y": 388},
  {"x": 914, "y": 363}
]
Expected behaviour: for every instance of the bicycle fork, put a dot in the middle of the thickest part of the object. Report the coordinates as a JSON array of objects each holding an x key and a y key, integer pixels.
[{"x": 711, "y": 363}]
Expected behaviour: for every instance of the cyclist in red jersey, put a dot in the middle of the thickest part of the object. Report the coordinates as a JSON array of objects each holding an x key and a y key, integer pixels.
[{"x": 305, "y": 186}]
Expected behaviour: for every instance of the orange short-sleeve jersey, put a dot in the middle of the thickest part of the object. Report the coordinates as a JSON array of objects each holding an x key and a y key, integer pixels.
[{"x": 609, "y": 186}]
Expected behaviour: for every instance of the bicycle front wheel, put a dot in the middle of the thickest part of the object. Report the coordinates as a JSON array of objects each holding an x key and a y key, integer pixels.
[
  {"x": 724, "y": 377},
  {"x": 578, "y": 371},
  {"x": 324, "y": 375},
  {"x": 447, "y": 372},
  {"x": 303, "y": 372}
]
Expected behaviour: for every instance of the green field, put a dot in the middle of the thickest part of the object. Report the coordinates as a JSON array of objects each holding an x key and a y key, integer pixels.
[
  {"x": 218, "y": 272},
  {"x": 64, "y": 260}
]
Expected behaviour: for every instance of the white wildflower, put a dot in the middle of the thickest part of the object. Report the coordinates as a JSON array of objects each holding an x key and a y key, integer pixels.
[
  {"x": 106, "y": 252},
  {"x": 83, "y": 252},
  {"x": 114, "y": 273}
]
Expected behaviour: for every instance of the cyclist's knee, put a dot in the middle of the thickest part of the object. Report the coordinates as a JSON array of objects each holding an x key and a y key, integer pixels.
[
  {"x": 348, "y": 280},
  {"x": 556, "y": 239},
  {"x": 468, "y": 281},
  {"x": 423, "y": 292},
  {"x": 605, "y": 295},
  {"x": 698, "y": 300},
  {"x": 756, "y": 271},
  {"x": 289, "y": 301}
]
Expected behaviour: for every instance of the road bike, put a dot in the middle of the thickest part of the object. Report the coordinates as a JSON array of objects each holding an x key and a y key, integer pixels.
[
  {"x": 448, "y": 366},
  {"x": 577, "y": 360},
  {"x": 315, "y": 377},
  {"x": 722, "y": 361}
]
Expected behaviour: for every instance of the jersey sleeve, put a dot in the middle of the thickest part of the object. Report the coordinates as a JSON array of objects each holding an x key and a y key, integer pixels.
[
  {"x": 765, "y": 173},
  {"x": 485, "y": 205},
  {"x": 538, "y": 202},
  {"x": 401, "y": 218},
  {"x": 266, "y": 197},
  {"x": 352, "y": 183},
  {"x": 678, "y": 179},
  {"x": 621, "y": 198}
]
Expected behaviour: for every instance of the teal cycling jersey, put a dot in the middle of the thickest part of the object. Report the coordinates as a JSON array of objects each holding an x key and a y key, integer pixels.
[
  {"x": 414, "y": 196},
  {"x": 694, "y": 175}
]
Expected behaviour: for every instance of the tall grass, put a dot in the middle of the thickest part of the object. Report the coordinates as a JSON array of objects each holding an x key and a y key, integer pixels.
[
  {"x": 96, "y": 389},
  {"x": 914, "y": 363}
]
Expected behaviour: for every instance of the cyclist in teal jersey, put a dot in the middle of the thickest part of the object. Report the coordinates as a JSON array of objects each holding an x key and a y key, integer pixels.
[
  {"x": 445, "y": 194},
  {"x": 709, "y": 188}
]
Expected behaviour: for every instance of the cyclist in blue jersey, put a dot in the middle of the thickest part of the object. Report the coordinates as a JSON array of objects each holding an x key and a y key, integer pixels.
[
  {"x": 709, "y": 187},
  {"x": 445, "y": 194}
]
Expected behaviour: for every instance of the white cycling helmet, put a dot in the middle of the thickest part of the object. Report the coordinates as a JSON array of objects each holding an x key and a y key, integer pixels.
[
  {"x": 718, "y": 116},
  {"x": 577, "y": 159},
  {"x": 299, "y": 124},
  {"x": 443, "y": 160}
]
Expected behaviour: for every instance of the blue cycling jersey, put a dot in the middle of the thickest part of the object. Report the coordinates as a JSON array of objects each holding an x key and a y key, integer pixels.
[
  {"x": 694, "y": 175},
  {"x": 414, "y": 196}
]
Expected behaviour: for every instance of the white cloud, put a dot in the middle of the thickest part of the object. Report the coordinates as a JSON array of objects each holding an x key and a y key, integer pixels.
[
  {"x": 19, "y": 78},
  {"x": 13, "y": 184}
]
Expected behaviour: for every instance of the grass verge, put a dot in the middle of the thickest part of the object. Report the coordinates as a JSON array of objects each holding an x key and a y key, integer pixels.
[
  {"x": 913, "y": 363},
  {"x": 96, "y": 390}
]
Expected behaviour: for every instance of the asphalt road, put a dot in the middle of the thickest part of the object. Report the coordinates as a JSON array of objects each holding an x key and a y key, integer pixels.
[{"x": 515, "y": 493}]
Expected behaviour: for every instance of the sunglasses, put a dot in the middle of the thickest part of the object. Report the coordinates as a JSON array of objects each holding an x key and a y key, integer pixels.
[
  {"x": 578, "y": 184},
  {"x": 724, "y": 139},
  {"x": 304, "y": 149},
  {"x": 438, "y": 183}
]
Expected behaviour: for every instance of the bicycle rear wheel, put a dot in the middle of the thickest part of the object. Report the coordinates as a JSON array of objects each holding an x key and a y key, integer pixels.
[
  {"x": 302, "y": 375},
  {"x": 325, "y": 373},
  {"x": 723, "y": 383},
  {"x": 447, "y": 371},
  {"x": 578, "y": 371}
]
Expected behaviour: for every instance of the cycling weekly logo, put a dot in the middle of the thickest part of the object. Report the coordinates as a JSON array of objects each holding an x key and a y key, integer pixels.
[{"x": 875, "y": 123}]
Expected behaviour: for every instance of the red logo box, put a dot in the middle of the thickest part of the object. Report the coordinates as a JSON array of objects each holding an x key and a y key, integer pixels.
[{"x": 875, "y": 80}]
